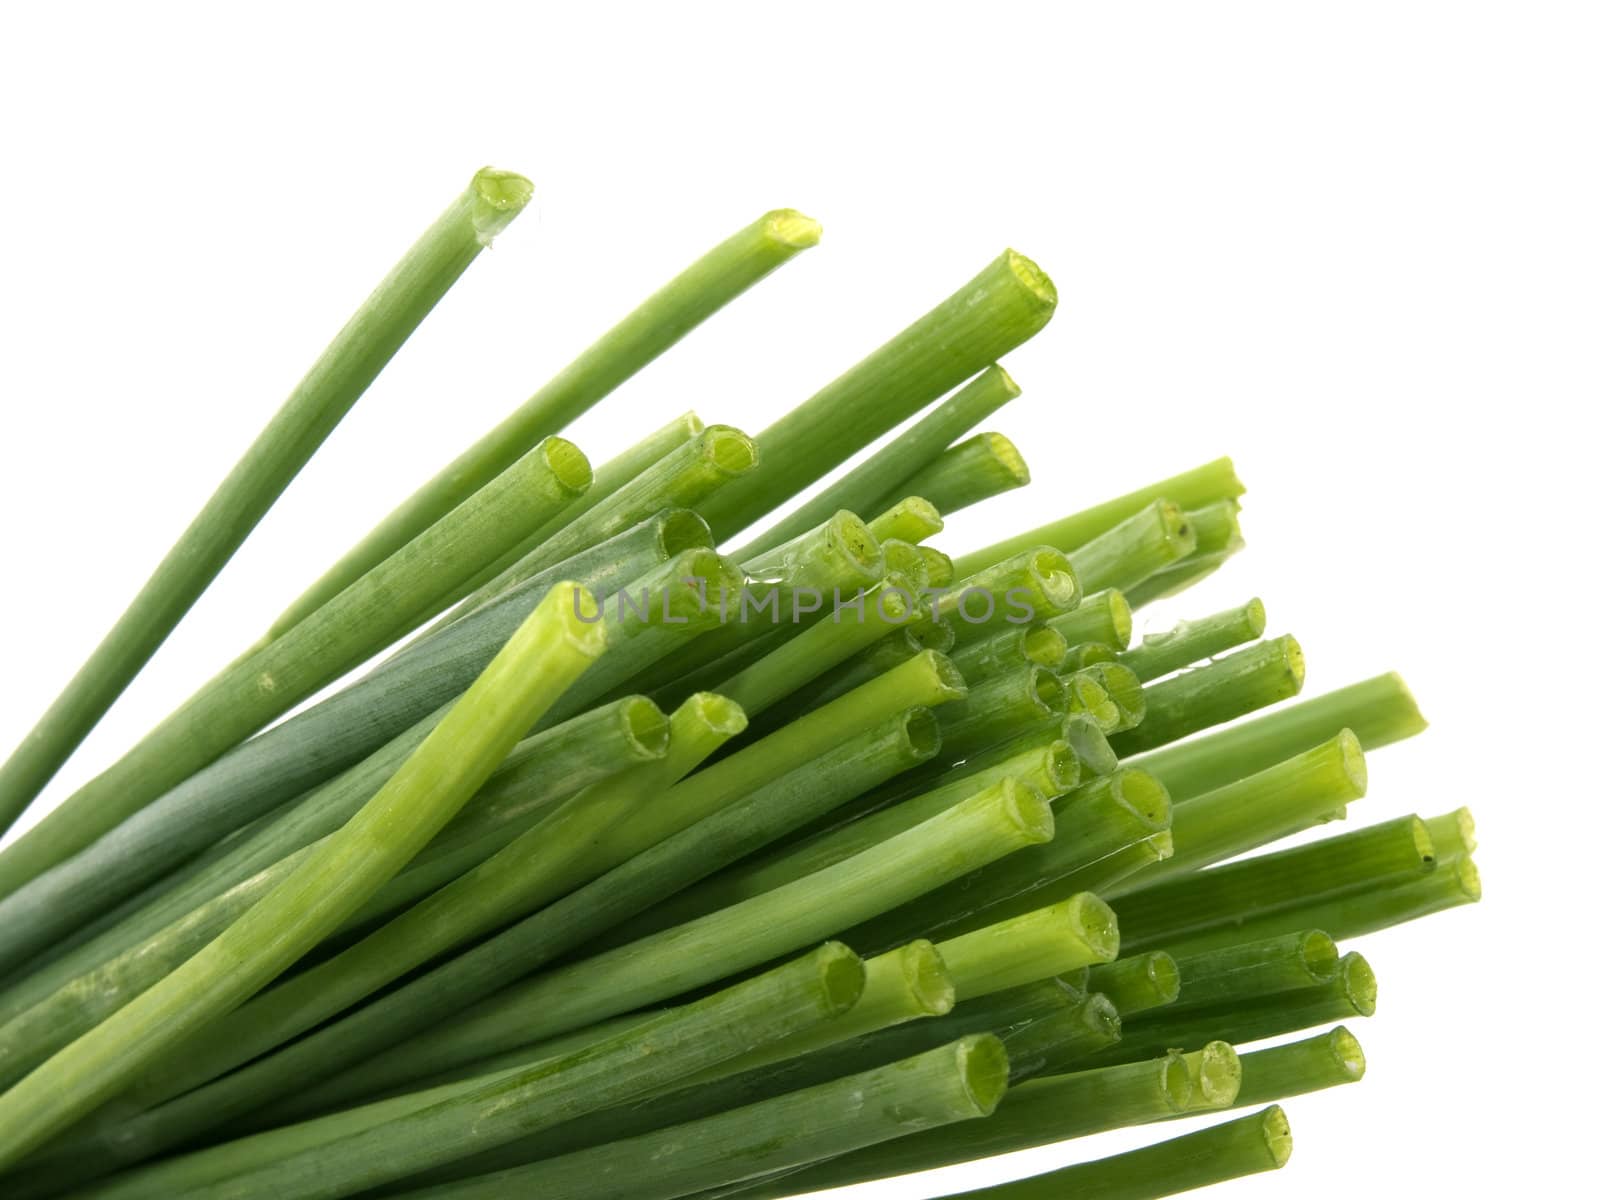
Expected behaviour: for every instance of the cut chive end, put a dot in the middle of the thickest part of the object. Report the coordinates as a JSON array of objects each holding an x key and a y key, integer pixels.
[
  {"x": 1275, "y": 1133},
  {"x": 1353, "y": 762},
  {"x": 1053, "y": 576},
  {"x": 1216, "y": 1076},
  {"x": 927, "y": 980},
  {"x": 717, "y": 713},
  {"x": 568, "y": 465},
  {"x": 497, "y": 197},
  {"x": 1347, "y": 1053},
  {"x": 1032, "y": 276},
  {"x": 730, "y": 450},
  {"x": 792, "y": 228},
  {"x": 843, "y": 976},
  {"x": 645, "y": 727},
  {"x": 680, "y": 529},
  {"x": 919, "y": 732},
  {"x": 1092, "y": 921},
  {"x": 985, "y": 1070},
  {"x": 1255, "y": 617},
  {"x": 1360, "y": 985},
  {"x": 1142, "y": 794},
  {"x": 1177, "y": 1084},
  {"x": 1121, "y": 614},
  {"x": 1320, "y": 956}
]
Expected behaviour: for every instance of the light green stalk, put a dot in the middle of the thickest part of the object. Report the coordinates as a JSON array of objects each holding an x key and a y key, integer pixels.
[
  {"x": 911, "y": 520},
  {"x": 985, "y": 465},
  {"x": 1189, "y": 642},
  {"x": 1102, "y": 617},
  {"x": 1139, "y": 982},
  {"x": 1128, "y": 553}
]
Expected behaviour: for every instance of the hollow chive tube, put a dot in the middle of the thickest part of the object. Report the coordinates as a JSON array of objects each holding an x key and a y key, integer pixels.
[
  {"x": 155, "y": 936},
  {"x": 1246, "y": 1146},
  {"x": 1379, "y": 711},
  {"x": 1010, "y": 650},
  {"x": 1217, "y": 539},
  {"x": 1078, "y": 932},
  {"x": 1002, "y": 707},
  {"x": 245, "y": 696},
  {"x": 902, "y": 559},
  {"x": 1093, "y": 821},
  {"x": 1102, "y": 617},
  {"x": 985, "y": 465},
  {"x": 982, "y": 396},
  {"x": 1055, "y": 1044},
  {"x": 1134, "y": 549},
  {"x": 713, "y": 280},
  {"x": 1220, "y": 691},
  {"x": 319, "y": 402},
  {"x": 1000, "y": 308},
  {"x": 1454, "y": 834},
  {"x": 480, "y": 1115},
  {"x": 1215, "y": 1073},
  {"x": 1189, "y": 642},
  {"x": 1247, "y": 970},
  {"x": 1297, "y": 794},
  {"x": 1207, "y": 909},
  {"x": 550, "y": 650},
  {"x": 1031, "y": 586},
  {"x": 1203, "y": 485},
  {"x": 912, "y": 520},
  {"x": 1090, "y": 744},
  {"x": 1139, "y": 982},
  {"x": 991, "y": 824},
  {"x": 951, "y": 1084},
  {"x": 1327, "y": 1060},
  {"x": 1085, "y": 655},
  {"x": 1123, "y": 689},
  {"x": 1352, "y": 993},
  {"x": 1034, "y": 1113},
  {"x": 940, "y": 566}
]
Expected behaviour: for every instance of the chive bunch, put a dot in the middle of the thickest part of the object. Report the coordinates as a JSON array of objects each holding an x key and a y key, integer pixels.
[{"x": 655, "y": 857}]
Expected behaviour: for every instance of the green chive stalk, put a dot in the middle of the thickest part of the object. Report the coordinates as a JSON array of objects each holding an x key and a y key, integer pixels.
[
  {"x": 911, "y": 520},
  {"x": 1217, "y": 539},
  {"x": 319, "y": 402},
  {"x": 1004, "y": 706},
  {"x": 1079, "y": 932},
  {"x": 990, "y": 825},
  {"x": 985, "y": 465},
  {"x": 904, "y": 562},
  {"x": 1353, "y": 993},
  {"x": 1230, "y": 687},
  {"x": 1454, "y": 834},
  {"x": 908, "y": 453},
  {"x": 1057, "y": 1043},
  {"x": 1215, "y": 1072},
  {"x": 1300, "y": 793},
  {"x": 1085, "y": 655},
  {"x": 551, "y": 649},
  {"x": 1090, "y": 744},
  {"x": 1327, "y": 1060},
  {"x": 1101, "y": 875},
  {"x": 1193, "y": 489},
  {"x": 1034, "y": 585},
  {"x": 1004, "y": 305},
  {"x": 1189, "y": 642},
  {"x": 1123, "y": 688},
  {"x": 1035, "y": 1113},
  {"x": 1103, "y": 617},
  {"x": 1010, "y": 651},
  {"x": 1130, "y": 552},
  {"x": 940, "y": 566},
  {"x": 1209, "y": 908},
  {"x": 1139, "y": 982},
  {"x": 256, "y": 689},
  {"x": 709, "y": 283},
  {"x": 1379, "y": 711},
  {"x": 1247, "y": 970},
  {"x": 1246, "y": 1146},
  {"x": 954, "y": 1083},
  {"x": 490, "y": 1112}
]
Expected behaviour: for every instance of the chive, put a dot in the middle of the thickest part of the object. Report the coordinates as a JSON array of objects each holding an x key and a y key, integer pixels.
[
  {"x": 1296, "y": 1068},
  {"x": 1010, "y": 650},
  {"x": 480, "y": 1115},
  {"x": 1094, "y": 820},
  {"x": 542, "y": 658},
  {"x": 1078, "y": 932},
  {"x": 1246, "y": 1146},
  {"x": 1054, "y": 1044},
  {"x": 1195, "y": 911},
  {"x": 1098, "y": 876},
  {"x": 1123, "y": 688},
  {"x": 911, "y": 520},
  {"x": 1454, "y": 834},
  {"x": 1230, "y": 687},
  {"x": 335, "y": 382},
  {"x": 1159, "y": 654},
  {"x": 1217, "y": 539},
  {"x": 985, "y": 465},
  {"x": 1353, "y": 993},
  {"x": 1004, "y": 305},
  {"x": 1085, "y": 655},
  {"x": 1128, "y": 553},
  {"x": 1215, "y": 1074},
  {"x": 1379, "y": 711},
  {"x": 1034, "y": 585},
  {"x": 1203, "y": 485},
  {"x": 253, "y": 691},
  {"x": 1297, "y": 794},
  {"x": 1089, "y": 743},
  {"x": 1034, "y": 1113},
  {"x": 982, "y": 396},
  {"x": 1004, "y": 706},
  {"x": 990, "y": 825},
  {"x": 904, "y": 560},
  {"x": 1243, "y": 970},
  {"x": 1102, "y": 617},
  {"x": 1139, "y": 983}
]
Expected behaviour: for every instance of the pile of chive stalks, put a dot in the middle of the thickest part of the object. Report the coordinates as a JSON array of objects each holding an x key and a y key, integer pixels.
[{"x": 653, "y": 858}]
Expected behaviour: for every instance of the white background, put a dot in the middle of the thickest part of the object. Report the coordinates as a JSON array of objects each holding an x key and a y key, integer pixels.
[{"x": 1352, "y": 245}]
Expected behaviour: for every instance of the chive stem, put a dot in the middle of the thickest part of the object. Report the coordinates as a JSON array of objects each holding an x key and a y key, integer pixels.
[
  {"x": 1139, "y": 982},
  {"x": 1189, "y": 642},
  {"x": 983, "y": 466},
  {"x": 1131, "y": 551}
]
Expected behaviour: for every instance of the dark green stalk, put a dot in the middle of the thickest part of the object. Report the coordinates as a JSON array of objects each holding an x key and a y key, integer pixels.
[
  {"x": 335, "y": 382},
  {"x": 1056, "y": 1043},
  {"x": 1098, "y": 876},
  {"x": 709, "y": 283},
  {"x": 1035, "y": 1113},
  {"x": 1300, "y": 793},
  {"x": 1008, "y": 302},
  {"x": 1327, "y": 1060},
  {"x": 1215, "y": 1072},
  {"x": 1245, "y": 971},
  {"x": 1231, "y": 1150},
  {"x": 1353, "y": 993},
  {"x": 1094, "y": 820},
  {"x": 984, "y": 465},
  {"x": 1010, "y": 651},
  {"x": 251, "y": 692},
  {"x": 1379, "y": 711},
  {"x": 1193, "y": 489},
  {"x": 550, "y": 650},
  {"x": 1135, "y": 549},
  {"x": 908, "y": 453},
  {"x": 1140, "y": 982},
  {"x": 911, "y": 520},
  {"x": 1208, "y": 908},
  {"x": 1230, "y": 687},
  {"x": 1189, "y": 642},
  {"x": 1102, "y": 617},
  {"x": 1000, "y": 708}
]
